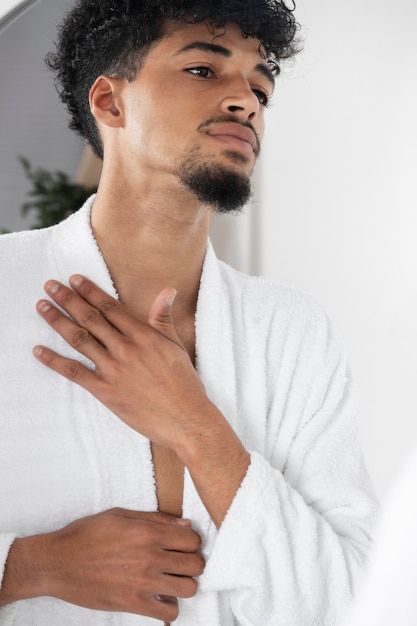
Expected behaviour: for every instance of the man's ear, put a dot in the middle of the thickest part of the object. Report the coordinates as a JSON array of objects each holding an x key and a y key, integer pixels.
[{"x": 105, "y": 102}]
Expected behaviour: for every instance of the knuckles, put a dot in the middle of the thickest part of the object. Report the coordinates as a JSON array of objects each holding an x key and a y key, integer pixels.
[
  {"x": 200, "y": 565},
  {"x": 183, "y": 586},
  {"x": 90, "y": 317},
  {"x": 72, "y": 370},
  {"x": 197, "y": 541},
  {"x": 191, "y": 563},
  {"x": 108, "y": 306},
  {"x": 190, "y": 588},
  {"x": 80, "y": 337},
  {"x": 169, "y": 612},
  {"x": 64, "y": 297}
]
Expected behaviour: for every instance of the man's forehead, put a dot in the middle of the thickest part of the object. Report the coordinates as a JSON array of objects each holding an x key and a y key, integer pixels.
[{"x": 204, "y": 31}]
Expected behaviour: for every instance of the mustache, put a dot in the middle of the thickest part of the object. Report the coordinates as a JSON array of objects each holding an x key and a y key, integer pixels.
[{"x": 228, "y": 117}]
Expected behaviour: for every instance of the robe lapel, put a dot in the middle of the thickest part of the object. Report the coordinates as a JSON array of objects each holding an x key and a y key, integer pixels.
[{"x": 215, "y": 366}]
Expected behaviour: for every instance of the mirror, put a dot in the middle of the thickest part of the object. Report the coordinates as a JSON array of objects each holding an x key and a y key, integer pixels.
[
  {"x": 11, "y": 9},
  {"x": 33, "y": 122}
]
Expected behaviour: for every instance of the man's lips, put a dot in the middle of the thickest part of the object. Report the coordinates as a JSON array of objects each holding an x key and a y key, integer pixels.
[{"x": 235, "y": 134}]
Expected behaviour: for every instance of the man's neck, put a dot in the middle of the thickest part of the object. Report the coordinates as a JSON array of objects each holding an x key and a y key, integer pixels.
[{"x": 149, "y": 244}]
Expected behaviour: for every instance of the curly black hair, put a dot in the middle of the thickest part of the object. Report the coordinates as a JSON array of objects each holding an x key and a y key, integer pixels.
[{"x": 112, "y": 37}]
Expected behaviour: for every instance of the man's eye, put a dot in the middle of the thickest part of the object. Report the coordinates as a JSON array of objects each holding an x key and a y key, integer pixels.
[
  {"x": 262, "y": 96},
  {"x": 202, "y": 71}
]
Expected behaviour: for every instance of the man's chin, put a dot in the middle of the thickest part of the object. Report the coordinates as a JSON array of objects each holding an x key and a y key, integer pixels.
[
  {"x": 238, "y": 158},
  {"x": 224, "y": 188}
]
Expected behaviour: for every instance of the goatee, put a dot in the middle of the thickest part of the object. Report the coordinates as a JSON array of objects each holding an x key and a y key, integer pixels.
[{"x": 220, "y": 187}]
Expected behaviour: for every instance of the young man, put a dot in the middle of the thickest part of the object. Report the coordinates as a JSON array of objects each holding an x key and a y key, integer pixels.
[{"x": 184, "y": 444}]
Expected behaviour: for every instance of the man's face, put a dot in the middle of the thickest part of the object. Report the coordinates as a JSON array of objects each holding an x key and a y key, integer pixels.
[{"x": 195, "y": 112}]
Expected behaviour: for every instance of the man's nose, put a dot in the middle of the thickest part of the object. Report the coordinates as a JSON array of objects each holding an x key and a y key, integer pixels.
[{"x": 241, "y": 100}]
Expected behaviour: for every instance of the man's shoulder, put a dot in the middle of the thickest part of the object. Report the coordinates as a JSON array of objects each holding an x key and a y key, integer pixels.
[
  {"x": 23, "y": 257},
  {"x": 269, "y": 294},
  {"x": 17, "y": 238},
  {"x": 21, "y": 244},
  {"x": 279, "y": 314},
  {"x": 26, "y": 255},
  {"x": 18, "y": 245}
]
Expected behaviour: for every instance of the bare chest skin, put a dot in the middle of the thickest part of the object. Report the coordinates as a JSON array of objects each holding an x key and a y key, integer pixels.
[{"x": 168, "y": 468}]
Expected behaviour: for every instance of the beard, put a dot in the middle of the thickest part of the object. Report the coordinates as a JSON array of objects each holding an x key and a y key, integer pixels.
[{"x": 219, "y": 186}]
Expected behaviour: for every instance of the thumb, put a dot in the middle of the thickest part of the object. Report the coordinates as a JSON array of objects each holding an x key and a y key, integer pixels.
[{"x": 160, "y": 314}]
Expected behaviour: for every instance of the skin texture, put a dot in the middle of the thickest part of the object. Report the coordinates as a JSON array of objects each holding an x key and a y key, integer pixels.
[
  {"x": 152, "y": 231},
  {"x": 139, "y": 553}
]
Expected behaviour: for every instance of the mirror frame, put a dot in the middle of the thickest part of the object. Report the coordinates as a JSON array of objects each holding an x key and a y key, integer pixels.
[{"x": 14, "y": 11}]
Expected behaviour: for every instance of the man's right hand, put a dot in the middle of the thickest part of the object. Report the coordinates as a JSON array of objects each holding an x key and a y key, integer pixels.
[{"x": 118, "y": 560}]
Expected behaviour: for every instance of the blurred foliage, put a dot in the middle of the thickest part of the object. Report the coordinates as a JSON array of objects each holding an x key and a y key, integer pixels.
[{"x": 53, "y": 195}]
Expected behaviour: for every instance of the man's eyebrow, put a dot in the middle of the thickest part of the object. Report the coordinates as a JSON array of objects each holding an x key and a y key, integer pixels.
[
  {"x": 214, "y": 48},
  {"x": 205, "y": 46},
  {"x": 265, "y": 71}
]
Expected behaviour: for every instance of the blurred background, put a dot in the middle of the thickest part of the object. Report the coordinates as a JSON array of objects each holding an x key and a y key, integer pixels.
[{"x": 335, "y": 201}]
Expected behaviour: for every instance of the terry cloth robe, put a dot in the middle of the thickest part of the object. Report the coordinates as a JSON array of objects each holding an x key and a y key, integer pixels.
[{"x": 294, "y": 541}]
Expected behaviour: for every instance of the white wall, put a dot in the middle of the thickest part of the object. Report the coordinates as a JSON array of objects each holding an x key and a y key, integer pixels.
[{"x": 339, "y": 216}]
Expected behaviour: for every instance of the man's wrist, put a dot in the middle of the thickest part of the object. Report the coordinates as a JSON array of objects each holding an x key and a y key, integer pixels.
[
  {"x": 214, "y": 455},
  {"x": 25, "y": 572}
]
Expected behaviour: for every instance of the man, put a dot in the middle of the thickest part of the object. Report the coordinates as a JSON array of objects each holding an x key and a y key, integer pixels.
[{"x": 184, "y": 444}]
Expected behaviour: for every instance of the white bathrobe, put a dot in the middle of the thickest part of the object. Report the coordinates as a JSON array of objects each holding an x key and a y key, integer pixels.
[{"x": 293, "y": 544}]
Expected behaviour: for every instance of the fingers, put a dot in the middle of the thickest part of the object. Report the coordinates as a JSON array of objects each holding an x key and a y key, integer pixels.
[
  {"x": 182, "y": 564},
  {"x": 88, "y": 315},
  {"x": 86, "y": 330},
  {"x": 75, "y": 334},
  {"x": 164, "y": 608},
  {"x": 160, "y": 312},
  {"x": 160, "y": 518},
  {"x": 183, "y": 538},
  {"x": 160, "y": 315},
  {"x": 69, "y": 368},
  {"x": 101, "y": 315},
  {"x": 109, "y": 308},
  {"x": 133, "y": 359},
  {"x": 178, "y": 585},
  {"x": 125, "y": 561}
]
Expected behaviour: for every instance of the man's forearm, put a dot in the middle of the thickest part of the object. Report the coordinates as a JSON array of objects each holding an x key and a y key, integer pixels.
[{"x": 215, "y": 457}]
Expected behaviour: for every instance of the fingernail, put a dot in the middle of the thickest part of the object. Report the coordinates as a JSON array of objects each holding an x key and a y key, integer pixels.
[
  {"x": 182, "y": 521},
  {"x": 76, "y": 280},
  {"x": 37, "y": 351},
  {"x": 43, "y": 306},
  {"x": 170, "y": 299},
  {"x": 52, "y": 287},
  {"x": 166, "y": 599}
]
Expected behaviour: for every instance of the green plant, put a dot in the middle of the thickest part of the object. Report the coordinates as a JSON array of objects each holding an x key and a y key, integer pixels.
[{"x": 53, "y": 195}]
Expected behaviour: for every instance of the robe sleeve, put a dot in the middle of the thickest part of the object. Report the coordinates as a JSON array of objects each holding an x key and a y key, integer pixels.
[{"x": 293, "y": 545}]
